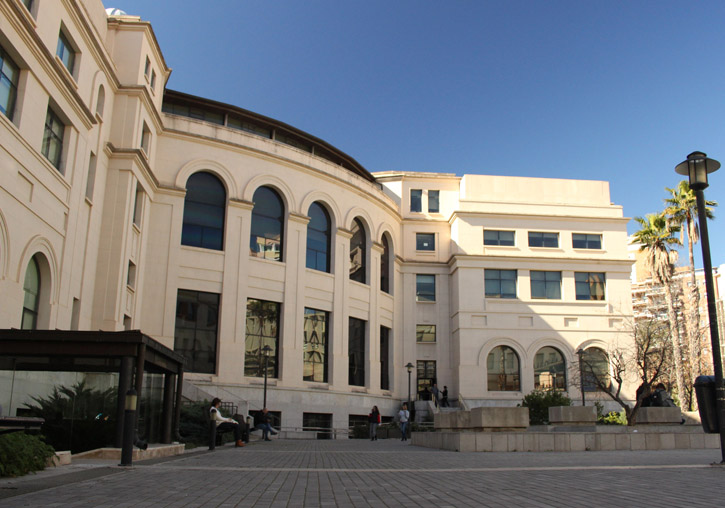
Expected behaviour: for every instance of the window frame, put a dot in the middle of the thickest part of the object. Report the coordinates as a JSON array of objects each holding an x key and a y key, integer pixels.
[
  {"x": 52, "y": 121},
  {"x": 546, "y": 284},
  {"x": 590, "y": 284},
  {"x": 326, "y": 232},
  {"x": 489, "y": 276},
  {"x": 420, "y": 296},
  {"x": 190, "y": 223},
  {"x": 260, "y": 216},
  {"x": 545, "y": 237},
  {"x": 587, "y": 241},
  {"x": 558, "y": 370},
  {"x": 6, "y": 61},
  {"x": 515, "y": 380},
  {"x": 418, "y": 242},
  {"x": 498, "y": 241},
  {"x": 63, "y": 46},
  {"x": 200, "y": 299},
  {"x": 325, "y": 343},
  {"x": 437, "y": 200},
  {"x": 425, "y": 334},
  {"x": 356, "y": 368},
  {"x": 416, "y": 200},
  {"x": 269, "y": 335}
]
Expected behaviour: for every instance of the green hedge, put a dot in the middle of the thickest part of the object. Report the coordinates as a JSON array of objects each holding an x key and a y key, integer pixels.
[
  {"x": 539, "y": 403},
  {"x": 21, "y": 453}
]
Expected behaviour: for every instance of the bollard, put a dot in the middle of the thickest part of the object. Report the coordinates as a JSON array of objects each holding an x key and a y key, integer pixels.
[{"x": 129, "y": 421}]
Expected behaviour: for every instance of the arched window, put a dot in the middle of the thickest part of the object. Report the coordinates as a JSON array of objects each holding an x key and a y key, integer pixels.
[
  {"x": 503, "y": 370},
  {"x": 358, "y": 250},
  {"x": 31, "y": 301},
  {"x": 204, "y": 209},
  {"x": 101, "y": 101},
  {"x": 385, "y": 266},
  {"x": 549, "y": 369},
  {"x": 595, "y": 369},
  {"x": 267, "y": 225},
  {"x": 318, "y": 238}
]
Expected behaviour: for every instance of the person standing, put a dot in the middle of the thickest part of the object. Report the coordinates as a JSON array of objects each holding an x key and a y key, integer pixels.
[
  {"x": 436, "y": 394},
  {"x": 444, "y": 397},
  {"x": 224, "y": 424},
  {"x": 403, "y": 416},
  {"x": 374, "y": 421}
]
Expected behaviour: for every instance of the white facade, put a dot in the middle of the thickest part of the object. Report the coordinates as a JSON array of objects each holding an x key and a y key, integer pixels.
[{"x": 105, "y": 225}]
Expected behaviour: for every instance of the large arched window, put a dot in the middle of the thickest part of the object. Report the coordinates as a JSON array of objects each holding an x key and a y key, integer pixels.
[
  {"x": 31, "y": 301},
  {"x": 358, "y": 253},
  {"x": 267, "y": 225},
  {"x": 204, "y": 209},
  {"x": 385, "y": 266},
  {"x": 595, "y": 369},
  {"x": 318, "y": 238},
  {"x": 503, "y": 370},
  {"x": 549, "y": 369}
]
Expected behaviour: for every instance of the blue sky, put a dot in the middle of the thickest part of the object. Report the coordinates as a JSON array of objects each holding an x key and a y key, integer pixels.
[{"x": 617, "y": 91}]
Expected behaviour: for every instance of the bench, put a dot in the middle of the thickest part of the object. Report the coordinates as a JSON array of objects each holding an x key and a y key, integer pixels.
[{"x": 19, "y": 423}]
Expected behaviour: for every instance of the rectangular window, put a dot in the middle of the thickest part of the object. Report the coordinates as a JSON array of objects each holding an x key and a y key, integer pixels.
[
  {"x": 138, "y": 206},
  {"x": 433, "y": 201},
  {"x": 239, "y": 124},
  {"x": 589, "y": 285},
  {"x": 425, "y": 241},
  {"x": 153, "y": 80},
  {"x": 500, "y": 283},
  {"x": 426, "y": 376},
  {"x": 91, "y": 178},
  {"x": 131, "y": 277},
  {"x": 416, "y": 200},
  {"x": 318, "y": 422},
  {"x": 147, "y": 68},
  {"x": 65, "y": 52},
  {"x": 356, "y": 352},
  {"x": 197, "y": 323},
  {"x": 546, "y": 285},
  {"x": 314, "y": 349},
  {"x": 53, "y": 138},
  {"x": 384, "y": 358},
  {"x": 9, "y": 73},
  {"x": 586, "y": 241},
  {"x": 425, "y": 288},
  {"x": 261, "y": 346},
  {"x": 146, "y": 139},
  {"x": 425, "y": 333},
  {"x": 537, "y": 239},
  {"x": 495, "y": 237}
]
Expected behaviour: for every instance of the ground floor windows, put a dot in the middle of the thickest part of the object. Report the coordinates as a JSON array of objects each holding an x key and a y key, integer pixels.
[
  {"x": 426, "y": 376},
  {"x": 315, "y": 345},
  {"x": 356, "y": 352},
  {"x": 262, "y": 338},
  {"x": 503, "y": 370},
  {"x": 319, "y": 422},
  {"x": 31, "y": 300},
  {"x": 549, "y": 369},
  {"x": 595, "y": 369},
  {"x": 197, "y": 322},
  {"x": 384, "y": 358}
]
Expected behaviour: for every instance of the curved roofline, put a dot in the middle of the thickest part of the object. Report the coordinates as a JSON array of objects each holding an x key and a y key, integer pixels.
[{"x": 340, "y": 157}]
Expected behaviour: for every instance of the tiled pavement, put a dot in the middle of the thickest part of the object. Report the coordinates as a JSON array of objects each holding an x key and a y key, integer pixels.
[{"x": 385, "y": 473}]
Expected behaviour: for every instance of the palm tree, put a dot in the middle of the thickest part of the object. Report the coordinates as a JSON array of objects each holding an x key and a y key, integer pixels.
[{"x": 656, "y": 239}]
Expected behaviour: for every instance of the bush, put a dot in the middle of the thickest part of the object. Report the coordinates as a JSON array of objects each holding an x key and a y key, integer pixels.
[
  {"x": 539, "y": 403},
  {"x": 194, "y": 424},
  {"x": 613, "y": 418},
  {"x": 21, "y": 453}
]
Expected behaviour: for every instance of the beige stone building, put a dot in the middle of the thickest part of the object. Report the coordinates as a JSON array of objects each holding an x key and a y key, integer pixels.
[{"x": 218, "y": 232}]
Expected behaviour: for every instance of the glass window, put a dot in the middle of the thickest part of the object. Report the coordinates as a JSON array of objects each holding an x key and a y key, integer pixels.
[
  {"x": 262, "y": 330},
  {"x": 426, "y": 376},
  {"x": 416, "y": 199},
  {"x": 195, "y": 336},
  {"x": 138, "y": 205},
  {"x": 239, "y": 124},
  {"x": 53, "y": 138},
  {"x": 146, "y": 139},
  {"x": 425, "y": 333},
  {"x": 586, "y": 241},
  {"x": 314, "y": 349},
  {"x": 31, "y": 299},
  {"x": 147, "y": 67},
  {"x": 502, "y": 365},
  {"x": 267, "y": 225},
  {"x": 204, "y": 209},
  {"x": 9, "y": 73},
  {"x": 101, "y": 101},
  {"x": 433, "y": 201},
  {"x": 318, "y": 238},
  {"x": 91, "y": 179},
  {"x": 537, "y": 239},
  {"x": 356, "y": 352},
  {"x": 425, "y": 241},
  {"x": 495, "y": 237},
  {"x": 65, "y": 52},
  {"x": 153, "y": 80},
  {"x": 500, "y": 283},
  {"x": 358, "y": 253},
  {"x": 595, "y": 369},
  {"x": 546, "y": 285},
  {"x": 589, "y": 285},
  {"x": 28, "y": 4},
  {"x": 549, "y": 369},
  {"x": 425, "y": 288},
  {"x": 385, "y": 266},
  {"x": 384, "y": 358}
]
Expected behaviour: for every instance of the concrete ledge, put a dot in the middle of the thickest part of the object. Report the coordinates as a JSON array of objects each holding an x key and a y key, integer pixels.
[
  {"x": 487, "y": 418},
  {"x": 62, "y": 458},
  {"x": 659, "y": 416},
  {"x": 573, "y": 415},
  {"x": 153, "y": 452}
]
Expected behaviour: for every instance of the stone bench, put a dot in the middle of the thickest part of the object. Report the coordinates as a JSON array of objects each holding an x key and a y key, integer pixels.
[
  {"x": 484, "y": 419},
  {"x": 573, "y": 415},
  {"x": 659, "y": 416}
]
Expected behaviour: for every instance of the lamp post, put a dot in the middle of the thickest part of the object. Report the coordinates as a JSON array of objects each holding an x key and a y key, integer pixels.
[
  {"x": 409, "y": 368},
  {"x": 580, "y": 352},
  {"x": 696, "y": 167},
  {"x": 129, "y": 420},
  {"x": 265, "y": 350}
]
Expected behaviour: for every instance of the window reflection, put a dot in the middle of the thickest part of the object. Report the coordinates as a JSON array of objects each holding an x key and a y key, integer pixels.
[
  {"x": 358, "y": 249},
  {"x": 204, "y": 209},
  {"x": 549, "y": 369},
  {"x": 267, "y": 225},
  {"x": 503, "y": 370},
  {"x": 318, "y": 238}
]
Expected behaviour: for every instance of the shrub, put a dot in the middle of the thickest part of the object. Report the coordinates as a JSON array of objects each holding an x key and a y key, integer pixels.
[
  {"x": 613, "y": 418},
  {"x": 194, "y": 424},
  {"x": 539, "y": 403},
  {"x": 21, "y": 453}
]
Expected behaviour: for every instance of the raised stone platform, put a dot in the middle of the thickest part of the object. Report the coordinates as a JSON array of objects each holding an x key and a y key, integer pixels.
[
  {"x": 154, "y": 451},
  {"x": 573, "y": 415},
  {"x": 659, "y": 416},
  {"x": 482, "y": 419}
]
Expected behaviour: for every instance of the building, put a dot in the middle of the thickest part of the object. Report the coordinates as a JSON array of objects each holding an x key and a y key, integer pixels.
[{"x": 250, "y": 246}]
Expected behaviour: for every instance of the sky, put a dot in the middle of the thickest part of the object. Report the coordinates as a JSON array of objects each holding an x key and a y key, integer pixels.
[{"x": 619, "y": 91}]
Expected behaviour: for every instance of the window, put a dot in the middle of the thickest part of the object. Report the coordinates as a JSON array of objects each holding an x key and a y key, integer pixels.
[
  {"x": 425, "y": 241},
  {"x": 385, "y": 265},
  {"x": 131, "y": 276},
  {"x": 65, "y": 52},
  {"x": 146, "y": 139},
  {"x": 314, "y": 349},
  {"x": 356, "y": 352},
  {"x": 502, "y": 365},
  {"x": 589, "y": 285},
  {"x": 31, "y": 300},
  {"x": 384, "y": 358},
  {"x": 425, "y": 333},
  {"x": 494, "y": 237},
  {"x": 9, "y": 73},
  {"x": 546, "y": 285},
  {"x": 91, "y": 178},
  {"x": 267, "y": 225},
  {"x": 416, "y": 199},
  {"x": 262, "y": 330},
  {"x": 425, "y": 288},
  {"x": 426, "y": 376},
  {"x": 197, "y": 322},
  {"x": 204, "y": 208},
  {"x": 318, "y": 238},
  {"x": 433, "y": 201},
  {"x": 595, "y": 369},
  {"x": 586, "y": 241},
  {"x": 500, "y": 283},
  {"x": 53, "y": 138},
  {"x": 147, "y": 68},
  {"x": 358, "y": 253},
  {"x": 138, "y": 206},
  {"x": 28, "y": 4},
  {"x": 153, "y": 80},
  {"x": 549, "y": 369},
  {"x": 193, "y": 112},
  {"x": 101, "y": 101},
  {"x": 550, "y": 240},
  {"x": 318, "y": 422}
]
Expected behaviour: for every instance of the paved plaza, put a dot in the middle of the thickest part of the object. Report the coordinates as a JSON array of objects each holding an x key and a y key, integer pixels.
[{"x": 384, "y": 473}]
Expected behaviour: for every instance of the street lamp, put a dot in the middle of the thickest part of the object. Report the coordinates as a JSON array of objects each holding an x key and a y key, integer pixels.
[
  {"x": 580, "y": 352},
  {"x": 410, "y": 368},
  {"x": 696, "y": 167},
  {"x": 265, "y": 351}
]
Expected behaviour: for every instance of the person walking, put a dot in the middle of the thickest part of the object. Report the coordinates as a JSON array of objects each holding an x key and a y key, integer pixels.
[
  {"x": 444, "y": 397},
  {"x": 224, "y": 424},
  {"x": 374, "y": 421},
  {"x": 403, "y": 416},
  {"x": 436, "y": 394}
]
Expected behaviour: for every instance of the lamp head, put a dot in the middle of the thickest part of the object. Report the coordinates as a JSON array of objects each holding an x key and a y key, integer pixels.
[
  {"x": 409, "y": 367},
  {"x": 696, "y": 167}
]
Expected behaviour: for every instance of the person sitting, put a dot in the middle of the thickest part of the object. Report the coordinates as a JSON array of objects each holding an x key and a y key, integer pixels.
[
  {"x": 263, "y": 422},
  {"x": 224, "y": 424},
  {"x": 661, "y": 397}
]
